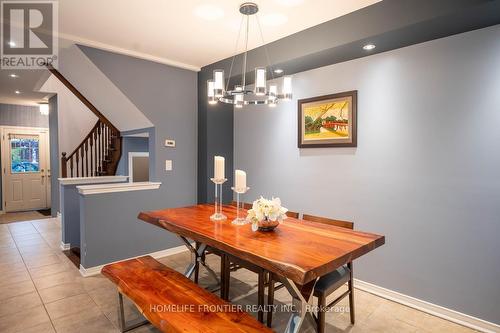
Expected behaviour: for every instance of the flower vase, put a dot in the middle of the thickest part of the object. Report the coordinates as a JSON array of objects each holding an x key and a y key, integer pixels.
[{"x": 267, "y": 225}]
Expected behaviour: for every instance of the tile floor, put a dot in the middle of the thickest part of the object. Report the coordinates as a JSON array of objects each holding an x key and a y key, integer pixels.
[
  {"x": 42, "y": 291},
  {"x": 21, "y": 216}
]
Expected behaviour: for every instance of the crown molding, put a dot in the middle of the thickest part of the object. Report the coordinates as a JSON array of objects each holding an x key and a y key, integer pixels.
[{"x": 127, "y": 52}]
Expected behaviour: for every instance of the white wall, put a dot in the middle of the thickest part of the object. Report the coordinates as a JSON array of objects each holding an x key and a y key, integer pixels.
[
  {"x": 425, "y": 172},
  {"x": 75, "y": 120}
]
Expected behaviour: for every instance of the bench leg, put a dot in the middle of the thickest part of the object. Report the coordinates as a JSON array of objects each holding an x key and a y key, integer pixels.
[{"x": 121, "y": 317}]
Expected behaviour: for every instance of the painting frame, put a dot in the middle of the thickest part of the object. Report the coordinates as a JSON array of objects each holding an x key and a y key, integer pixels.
[{"x": 353, "y": 117}]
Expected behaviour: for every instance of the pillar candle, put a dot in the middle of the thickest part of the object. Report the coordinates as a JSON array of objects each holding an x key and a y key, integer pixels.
[
  {"x": 219, "y": 167},
  {"x": 240, "y": 179}
]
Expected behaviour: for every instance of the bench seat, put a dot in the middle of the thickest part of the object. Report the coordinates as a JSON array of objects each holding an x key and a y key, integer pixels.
[{"x": 173, "y": 303}]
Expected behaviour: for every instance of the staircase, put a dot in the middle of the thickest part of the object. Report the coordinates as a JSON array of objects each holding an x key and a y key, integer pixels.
[{"x": 100, "y": 151}]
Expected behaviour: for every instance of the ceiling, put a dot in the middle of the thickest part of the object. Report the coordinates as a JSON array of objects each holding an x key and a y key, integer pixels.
[
  {"x": 174, "y": 32},
  {"x": 188, "y": 34}
]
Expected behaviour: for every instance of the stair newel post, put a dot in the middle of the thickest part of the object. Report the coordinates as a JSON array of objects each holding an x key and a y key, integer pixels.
[{"x": 64, "y": 166}]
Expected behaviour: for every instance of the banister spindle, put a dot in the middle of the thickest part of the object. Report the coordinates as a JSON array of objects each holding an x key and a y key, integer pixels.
[
  {"x": 86, "y": 159},
  {"x": 91, "y": 141},
  {"x": 77, "y": 164},
  {"x": 71, "y": 166}
]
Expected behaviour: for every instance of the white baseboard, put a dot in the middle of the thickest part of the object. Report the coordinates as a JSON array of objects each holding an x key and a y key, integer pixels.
[
  {"x": 65, "y": 246},
  {"x": 85, "y": 272},
  {"x": 433, "y": 309}
]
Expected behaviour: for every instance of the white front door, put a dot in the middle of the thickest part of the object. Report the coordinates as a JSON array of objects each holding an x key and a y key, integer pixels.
[{"x": 25, "y": 172}]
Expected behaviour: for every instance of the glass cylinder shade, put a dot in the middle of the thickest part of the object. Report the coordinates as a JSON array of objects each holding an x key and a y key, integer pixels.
[
  {"x": 211, "y": 92},
  {"x": 218, "y": 82},
  {"x": 260, "y": 81},
  {"x": 287, "y": 88},
  {"x": 238, "y": 98}
]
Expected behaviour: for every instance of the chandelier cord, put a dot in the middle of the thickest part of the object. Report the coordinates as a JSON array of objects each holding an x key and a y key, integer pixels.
[
  {"x": 235, "y": 53},
  {"x": 265, "y": 47},
  {"x": 245, "y": 55}
]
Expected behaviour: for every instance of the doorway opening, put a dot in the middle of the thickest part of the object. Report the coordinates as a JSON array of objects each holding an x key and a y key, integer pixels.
[{"x": 25, "y": 173}]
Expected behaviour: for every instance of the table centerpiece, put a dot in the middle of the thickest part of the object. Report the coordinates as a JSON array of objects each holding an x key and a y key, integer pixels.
[{"x": 265, "y": 214}]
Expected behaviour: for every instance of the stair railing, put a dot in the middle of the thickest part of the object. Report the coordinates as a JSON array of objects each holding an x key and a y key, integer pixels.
[{"x": 99, "y": 152}]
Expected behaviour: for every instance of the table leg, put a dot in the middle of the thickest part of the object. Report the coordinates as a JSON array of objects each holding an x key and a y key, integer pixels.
[
  {"x": 302, "y": 297},
  {"x": 196, "y": 259}
]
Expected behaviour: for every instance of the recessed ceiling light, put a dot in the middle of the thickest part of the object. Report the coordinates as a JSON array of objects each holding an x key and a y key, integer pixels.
[
  {"x": 290, "y": 3},
  {"x": 13, "y": 75},
  {"x": 278, "y": 71},
  {"x": 209, "y": 12},
  {"x": 11, "y": 43},
  {"x": 17, "y": 92},
  {"x": 274, "y": 19},
  {"x": 369, "y": 47}
]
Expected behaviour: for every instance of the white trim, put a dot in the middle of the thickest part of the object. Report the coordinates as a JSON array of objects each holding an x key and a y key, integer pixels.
[
  {"x": 135, "y": 54},
  {"x": 85, "y": 272},
  {"x": 65, "y": 246},
  {"x": 131, "y": 155},
  {"x": 120, "y": 187},
  {"x": 5, "y": 159},
  {"x": 92, "y": 180},
  {"x": 433, "y": 309}
]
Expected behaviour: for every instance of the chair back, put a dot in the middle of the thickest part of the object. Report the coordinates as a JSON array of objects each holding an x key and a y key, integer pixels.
[
  {"x": 245, "y": 205},
  {"x": 337, "y": 223},
  {"x": 294, "y": 215}
]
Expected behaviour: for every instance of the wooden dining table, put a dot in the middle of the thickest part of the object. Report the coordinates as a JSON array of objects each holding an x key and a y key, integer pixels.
[{"x": 298, "y": 252}]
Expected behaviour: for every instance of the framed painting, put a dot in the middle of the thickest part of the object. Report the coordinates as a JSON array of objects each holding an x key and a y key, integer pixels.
[{"x": 328, "y": 121}]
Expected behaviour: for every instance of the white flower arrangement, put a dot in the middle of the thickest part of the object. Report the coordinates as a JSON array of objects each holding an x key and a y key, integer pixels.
[{"x": 266, "y": 210}]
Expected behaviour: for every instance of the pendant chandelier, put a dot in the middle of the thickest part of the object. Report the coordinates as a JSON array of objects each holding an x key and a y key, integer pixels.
[{"x": 240, "y": 95}]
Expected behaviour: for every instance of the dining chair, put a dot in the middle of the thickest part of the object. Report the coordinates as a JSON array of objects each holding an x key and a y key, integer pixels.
[{"x": 326, "y": 284}]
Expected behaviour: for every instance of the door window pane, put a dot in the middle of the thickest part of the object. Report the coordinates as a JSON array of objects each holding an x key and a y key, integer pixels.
[{"x": 24, "y": 153}]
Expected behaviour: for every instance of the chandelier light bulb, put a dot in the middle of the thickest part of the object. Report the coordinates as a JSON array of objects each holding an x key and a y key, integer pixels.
[
  {"x": 218, "y": 82},
  {"x": 238, "y": 98},
  {"x": 211, "y": 92},
  {"x": 260, "y": 81}
]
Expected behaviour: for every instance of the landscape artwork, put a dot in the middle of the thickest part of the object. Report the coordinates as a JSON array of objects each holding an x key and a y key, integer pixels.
[{"x": 328, "y": 121}]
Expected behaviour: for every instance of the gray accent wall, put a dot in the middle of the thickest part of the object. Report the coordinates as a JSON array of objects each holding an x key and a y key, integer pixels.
[
  {"x": 168, "y": 98},
  {"x": 424, "y": 174},
  {"x": 109, "y": 235}
]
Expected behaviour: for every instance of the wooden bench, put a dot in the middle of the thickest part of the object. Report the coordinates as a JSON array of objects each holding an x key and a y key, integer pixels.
[{"x": 172, "y": 302}]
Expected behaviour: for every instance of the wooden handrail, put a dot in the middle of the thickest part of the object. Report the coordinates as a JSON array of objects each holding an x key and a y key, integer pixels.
[
  {"x": 97, "y": 155},
  {"x": 100, "y": 151},
  {"x": 82, "y": 98}
]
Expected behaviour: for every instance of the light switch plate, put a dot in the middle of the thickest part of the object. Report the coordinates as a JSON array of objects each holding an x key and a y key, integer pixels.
[
  {"x": 168, "y": 165},
  {"x": 169, "y": 143}
]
